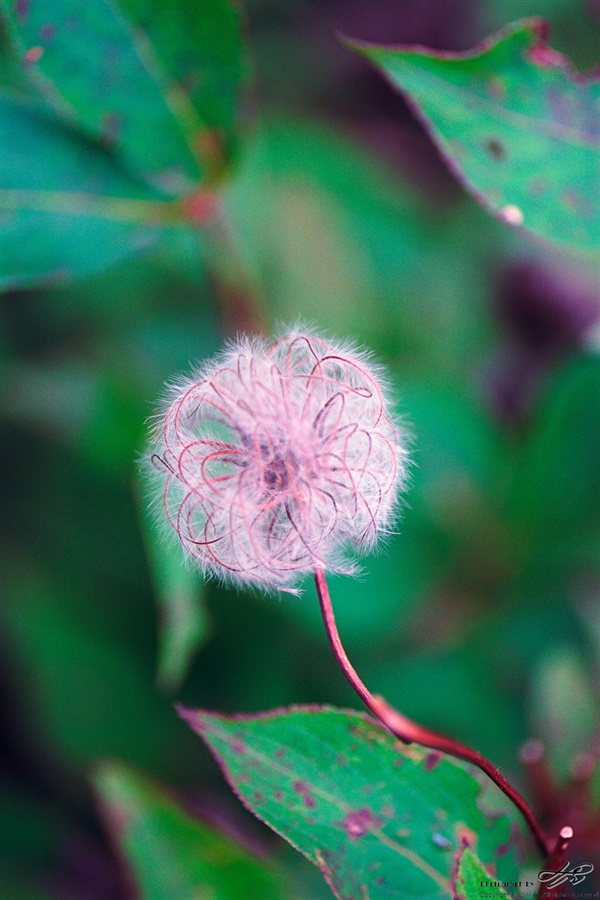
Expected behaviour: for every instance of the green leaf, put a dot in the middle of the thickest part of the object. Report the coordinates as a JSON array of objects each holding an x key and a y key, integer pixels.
[
  {"x": 88, "y": 694},
  {"x": 328, "y": 235},
  {"x": 202, "y": 46},
  {"x": 179, "y": 590},
  {"x": 574, "y": 30},
  {"x": 100, "y": 73},
  {"x": 473, "y": 882},
  {"x": 378, "y": 818},
  {"x": 554, "y": 497},
  {"x": 68, "y": 210},
  {"x": 516, "y": 122},
  {"x": 172, "y": 854}
]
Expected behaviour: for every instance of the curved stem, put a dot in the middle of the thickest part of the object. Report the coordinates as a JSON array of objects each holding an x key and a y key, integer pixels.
[{"x": 409, "y": 731}]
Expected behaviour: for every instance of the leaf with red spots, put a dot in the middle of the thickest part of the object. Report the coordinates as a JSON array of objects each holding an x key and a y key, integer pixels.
[
  {"x": 377, "y": 817},
  {"x": 473, "y": 881},
  {"x": 171, "y": 854},
  {"x": 516, "y": 123},
  {"x": 103, "y": 73}
]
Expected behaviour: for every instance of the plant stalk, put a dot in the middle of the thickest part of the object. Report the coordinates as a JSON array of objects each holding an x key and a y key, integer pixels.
[
  {"x": 555, "y": 863},
  {"x": 408, "y": 731}
]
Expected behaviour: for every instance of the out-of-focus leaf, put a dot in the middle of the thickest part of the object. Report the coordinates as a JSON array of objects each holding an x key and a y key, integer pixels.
[
  {"x": 564, "y": 707},
  {"x": 554, "y": 496},
  {"x": 202, "y": 46},
  {"x": 102, "y": 74},
  {"x": 298, "y": 241},
  {"x": 457, "y": 452},
  {"x": 377, "y": 817},
  {"x": 12, "y": 75},
  {"x": 172, "y": 854},
  {"x": 92, "y": 411},
  {"x": 327, "y": 235},
  {"x": 183, "y": 617},
  {"x": 26, "y": 389},
  {"x": 67, "y": 210},
  {"x": 472, "y": 880},
  {"x": 87, "y": 695},
  {"x": 516, "y": 122}
]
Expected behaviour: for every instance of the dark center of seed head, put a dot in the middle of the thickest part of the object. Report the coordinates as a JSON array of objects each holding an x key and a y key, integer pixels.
[{"x": 275, "y": 475}]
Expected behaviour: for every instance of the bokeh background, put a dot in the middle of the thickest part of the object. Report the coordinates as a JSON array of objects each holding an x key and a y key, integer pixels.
[{"x": 479, "y": 618}]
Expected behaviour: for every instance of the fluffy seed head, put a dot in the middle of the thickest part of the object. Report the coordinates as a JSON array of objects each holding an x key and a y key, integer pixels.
[{"x": 278, "y": 457}]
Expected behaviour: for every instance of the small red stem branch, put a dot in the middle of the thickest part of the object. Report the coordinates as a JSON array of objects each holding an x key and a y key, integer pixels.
[
  {"x": 409, "y": 731},
  {"x": 555, "y": 862}
]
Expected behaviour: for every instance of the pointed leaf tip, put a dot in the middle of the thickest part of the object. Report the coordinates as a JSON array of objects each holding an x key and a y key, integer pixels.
[
  {"x": 188, "y": 715},
  {"x": 328, "y": 781},
  {"x": 516, "y": 122}
]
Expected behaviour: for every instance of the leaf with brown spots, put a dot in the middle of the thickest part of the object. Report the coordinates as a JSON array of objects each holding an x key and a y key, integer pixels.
[
  {"x": 515, "y": 122},
  {"x": 375, "y": 829},
  {"x": 103, "y": 75}
]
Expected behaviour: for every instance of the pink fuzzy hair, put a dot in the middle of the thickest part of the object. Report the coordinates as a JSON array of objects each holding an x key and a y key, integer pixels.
[{"x": 275, "y": 458}]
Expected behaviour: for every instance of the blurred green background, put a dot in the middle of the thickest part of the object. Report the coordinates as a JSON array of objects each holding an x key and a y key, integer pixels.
[{"x": 480, "y": 618}]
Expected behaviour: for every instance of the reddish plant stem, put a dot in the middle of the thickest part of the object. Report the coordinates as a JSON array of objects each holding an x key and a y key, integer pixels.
[
  {"x": 409, "y": 731},
  {"x": 555, "y": 863},
  {"x": 236, "y": 293}
]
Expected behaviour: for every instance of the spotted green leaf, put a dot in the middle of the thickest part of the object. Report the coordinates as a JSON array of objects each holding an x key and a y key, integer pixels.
[
  {"x": 516, "y": 123},
  {"x": 170, "y": 853},
  {"x": 104, "y": 76},
  {"x": 379, "y": 819}
]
